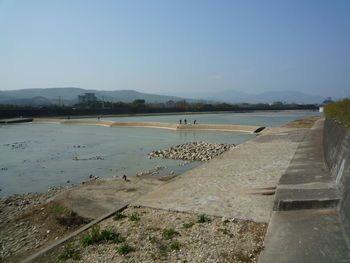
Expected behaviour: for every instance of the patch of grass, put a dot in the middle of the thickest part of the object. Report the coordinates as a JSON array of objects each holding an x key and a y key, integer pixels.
[
  {"x": 188, "y": 225},
  {"x": 61, "y": 210},
  {"x": 175, "y": 245},
  {"x": 169, "y": 233},
  {"x": 134, "y": 217},
  {"x": 125, "y": 249},
  {"x": 118, "y": 216},
  {"x": 97, "y": 236},
  {"x": 70, "y": 252},
  {"x": 203, "y": 219}
]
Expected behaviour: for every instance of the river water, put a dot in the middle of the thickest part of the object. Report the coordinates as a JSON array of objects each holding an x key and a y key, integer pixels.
[{"x": 36, "y": 156}]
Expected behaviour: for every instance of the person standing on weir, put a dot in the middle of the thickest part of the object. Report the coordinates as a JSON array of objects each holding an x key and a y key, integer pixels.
[
  {"x": 185, "y": 121},
  {"x": 180, "y": 121},
  {"x": 194, "y": 122}
]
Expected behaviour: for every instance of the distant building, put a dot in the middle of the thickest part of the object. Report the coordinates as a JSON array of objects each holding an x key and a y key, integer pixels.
[{"x": 87, "y": 97}]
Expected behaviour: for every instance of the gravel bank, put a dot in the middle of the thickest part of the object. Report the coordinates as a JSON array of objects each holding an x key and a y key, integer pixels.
[
  {"x": 29, "y": 222},
  {"x": 192, "y": 151},
  {"x": 164, "y": 236}
]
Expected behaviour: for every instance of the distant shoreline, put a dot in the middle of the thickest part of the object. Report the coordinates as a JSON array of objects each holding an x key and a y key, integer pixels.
[{"x": 171, "y": 113}]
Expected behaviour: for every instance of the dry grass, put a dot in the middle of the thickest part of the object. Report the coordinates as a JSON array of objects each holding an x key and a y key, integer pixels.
[{"x": 302, "y": 123}]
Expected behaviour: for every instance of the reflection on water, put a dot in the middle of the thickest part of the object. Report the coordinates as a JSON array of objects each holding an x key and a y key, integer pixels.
[{"x": 37, "y": 156}]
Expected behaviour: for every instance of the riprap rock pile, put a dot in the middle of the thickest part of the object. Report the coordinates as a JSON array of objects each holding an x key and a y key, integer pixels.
[{"x": 192, "y": 151}]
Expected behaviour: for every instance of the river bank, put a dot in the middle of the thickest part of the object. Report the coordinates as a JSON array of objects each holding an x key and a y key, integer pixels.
[{"x": 196, "y": 192}]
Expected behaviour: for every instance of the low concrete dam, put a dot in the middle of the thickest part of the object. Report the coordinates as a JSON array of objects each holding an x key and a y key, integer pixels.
[{"x": 157, "y": 125}]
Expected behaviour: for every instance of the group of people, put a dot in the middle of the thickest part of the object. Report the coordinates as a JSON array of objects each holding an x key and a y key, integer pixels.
[{"x": 185, "y": 121}]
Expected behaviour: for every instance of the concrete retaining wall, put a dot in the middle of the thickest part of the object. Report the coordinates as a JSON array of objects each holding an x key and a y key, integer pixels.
[{"x": 337, "y": 158}]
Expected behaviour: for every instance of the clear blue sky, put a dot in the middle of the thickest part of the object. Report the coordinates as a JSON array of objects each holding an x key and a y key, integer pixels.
[{"x": 177, "y": 46}]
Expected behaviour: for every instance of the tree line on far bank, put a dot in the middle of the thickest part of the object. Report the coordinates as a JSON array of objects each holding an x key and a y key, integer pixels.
[{"x": 140, "y": 106}]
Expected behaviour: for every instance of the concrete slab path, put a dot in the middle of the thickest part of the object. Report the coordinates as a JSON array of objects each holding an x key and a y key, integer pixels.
[
  {"x": 238, "y": 184},
  {"x": 99, "y": 197}
]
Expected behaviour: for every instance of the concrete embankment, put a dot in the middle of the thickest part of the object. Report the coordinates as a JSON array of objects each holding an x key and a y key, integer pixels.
[
  {"x": 311, "y": 217},
  {"x": 156, "y": 125}
]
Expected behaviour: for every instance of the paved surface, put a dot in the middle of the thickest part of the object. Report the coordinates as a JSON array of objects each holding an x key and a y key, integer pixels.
[
  {"x": 99, "y": 197},
  {"x": 231, "y": 184}
]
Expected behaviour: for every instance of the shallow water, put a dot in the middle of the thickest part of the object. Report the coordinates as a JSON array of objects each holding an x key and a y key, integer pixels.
[{"x": 37, "y": 156}]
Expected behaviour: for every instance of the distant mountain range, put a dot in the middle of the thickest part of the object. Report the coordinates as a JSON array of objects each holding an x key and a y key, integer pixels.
[
  {"x": 69, "y": 96},
  {"x": 234, "y": 96}
]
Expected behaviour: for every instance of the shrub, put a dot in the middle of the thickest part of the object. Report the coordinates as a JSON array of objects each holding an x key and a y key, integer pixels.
[{"x": 340, "y": 111}]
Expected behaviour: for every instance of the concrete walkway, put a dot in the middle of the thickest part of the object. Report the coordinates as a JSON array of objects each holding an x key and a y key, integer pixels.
[{"x": 238, "y": 184}]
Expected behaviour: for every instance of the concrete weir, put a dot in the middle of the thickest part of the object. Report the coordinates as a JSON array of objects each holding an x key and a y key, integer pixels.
[
  {"x": 311, "y": 217},
  {"x": 157, "y": 125},
  {"x": 15, "y": 120}
]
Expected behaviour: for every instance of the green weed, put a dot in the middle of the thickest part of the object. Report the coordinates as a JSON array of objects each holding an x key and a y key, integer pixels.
[
  {"x": 96, "y": 236},
  {"x": 175, "y": 245},
  {"x": 134, "y": 217},
  {"x": 169, "y": 233},
  {"x": 118, "y": 216},
  {"x": 203, "y": 219},
  {"x": 125, "y": 249},
  {"x": 70, "y": 253}
]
